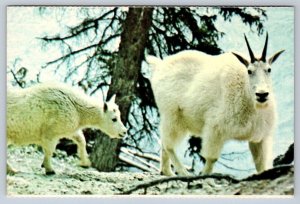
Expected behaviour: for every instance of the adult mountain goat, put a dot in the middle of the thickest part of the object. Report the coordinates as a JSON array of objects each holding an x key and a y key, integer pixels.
[
  {"x": 45, "y": 113},
  {"x": 218, "y": 98}
]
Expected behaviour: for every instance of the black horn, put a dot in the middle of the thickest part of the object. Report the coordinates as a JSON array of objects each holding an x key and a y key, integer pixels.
[
  {"x": 264, "y": 53},
  {"x": 250, "y": 51}
]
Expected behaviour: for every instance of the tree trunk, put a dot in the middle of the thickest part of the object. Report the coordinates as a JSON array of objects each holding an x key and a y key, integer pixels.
[{"x": 125, "y": 72}]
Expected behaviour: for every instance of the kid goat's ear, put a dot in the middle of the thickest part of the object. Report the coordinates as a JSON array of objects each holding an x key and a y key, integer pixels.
[
  {"x": 112, "y": 99},
  {"x": 105, "y": 107},
  {"x": 241, "y": 59}
]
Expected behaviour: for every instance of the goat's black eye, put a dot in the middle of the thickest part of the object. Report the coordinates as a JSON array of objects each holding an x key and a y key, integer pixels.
[
  {"x": 114, "y": 119},
  {"x": 249, "y": 72},
  {"x": 269, "y": 70}
]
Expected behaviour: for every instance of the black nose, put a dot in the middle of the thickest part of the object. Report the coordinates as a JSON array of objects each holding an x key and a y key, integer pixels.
[{"x": 262, "y": 97}]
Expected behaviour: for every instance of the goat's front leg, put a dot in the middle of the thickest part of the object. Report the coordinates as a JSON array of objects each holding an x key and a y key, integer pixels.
[
  {"x": 79, "y": 139},
  {"x": 209, "y": 165},
  {"x": 212, "y": 144},
  {"x": 262, "y": 154}
]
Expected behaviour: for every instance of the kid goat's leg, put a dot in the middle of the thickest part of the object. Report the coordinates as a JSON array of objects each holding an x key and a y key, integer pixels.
[
  {"x": 79, "y": 139},
  {"x": 262, "y": 154},
  {"x": 48, "y": 148},
  {"x": 10, "y": 170}
]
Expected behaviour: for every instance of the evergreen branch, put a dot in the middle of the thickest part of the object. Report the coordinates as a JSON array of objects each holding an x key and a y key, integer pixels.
[
  {"x": 266, "y": 175},
  {"x": 72, "y": 53},
  {"x": 187, "y": 179}
]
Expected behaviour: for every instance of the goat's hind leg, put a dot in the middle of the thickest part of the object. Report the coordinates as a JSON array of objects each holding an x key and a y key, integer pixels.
[
  {"x": 170, "y": 139},
  {"x": 165, "y": 166},
  {"x": 180, "y": 169},
  {"x": 10, "y": 170}
]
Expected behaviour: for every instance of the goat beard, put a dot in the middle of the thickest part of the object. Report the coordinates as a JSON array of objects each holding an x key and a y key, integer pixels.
[{"x": 261, "y": 105}]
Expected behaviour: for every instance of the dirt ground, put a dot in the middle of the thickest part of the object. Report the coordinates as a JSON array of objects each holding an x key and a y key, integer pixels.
[{"x": 70, "y": 179}]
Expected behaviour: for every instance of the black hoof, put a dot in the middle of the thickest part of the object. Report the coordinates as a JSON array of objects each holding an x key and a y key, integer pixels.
[{"x": 50, "y": 173}]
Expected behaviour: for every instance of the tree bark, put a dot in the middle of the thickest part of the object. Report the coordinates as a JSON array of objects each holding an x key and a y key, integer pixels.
[{"x": 125, "y": 73}]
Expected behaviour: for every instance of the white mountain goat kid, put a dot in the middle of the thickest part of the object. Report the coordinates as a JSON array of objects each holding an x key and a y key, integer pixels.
[
  {"x": 217, "y": 98},
  {"x": 45, "y": 113}
]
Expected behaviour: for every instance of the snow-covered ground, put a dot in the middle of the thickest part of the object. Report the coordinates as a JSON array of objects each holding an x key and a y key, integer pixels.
[{"x": 72, "y": 180}]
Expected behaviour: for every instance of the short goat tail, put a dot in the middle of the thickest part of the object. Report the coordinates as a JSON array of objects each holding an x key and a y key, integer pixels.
[{"x": 153, "y": 61}]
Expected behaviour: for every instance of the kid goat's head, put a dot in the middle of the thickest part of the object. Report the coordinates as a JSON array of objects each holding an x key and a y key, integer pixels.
[
  {"x": 112, "y": 124},
  {"x": 259, "y": 70}
]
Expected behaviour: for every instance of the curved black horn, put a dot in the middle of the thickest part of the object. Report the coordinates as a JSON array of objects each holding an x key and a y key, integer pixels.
[
  {"x": 250, "y": 51},
  {"x": 264, "y": 53}
]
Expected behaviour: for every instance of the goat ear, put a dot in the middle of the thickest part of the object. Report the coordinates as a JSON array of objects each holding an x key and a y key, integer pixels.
[
  {"x": 275, "y": 56},
  {"x": 105, "y": 107},
  {"x": 241, "y": 59},
  {"x": 112, "y": 99}
]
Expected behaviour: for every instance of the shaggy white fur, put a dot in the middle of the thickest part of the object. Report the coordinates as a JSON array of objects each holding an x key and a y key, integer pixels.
[
  {"x": 45, "y": 113},
  {"x": 217, "y": 98}
]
